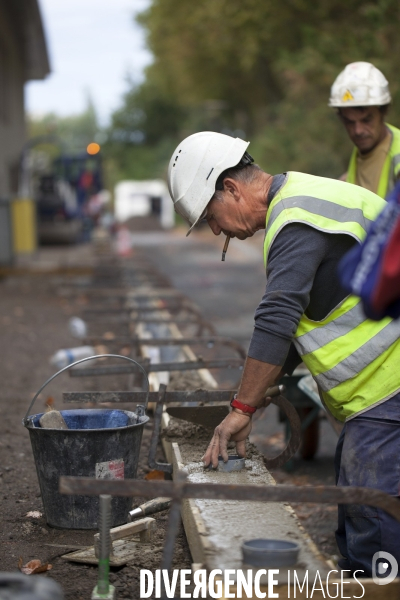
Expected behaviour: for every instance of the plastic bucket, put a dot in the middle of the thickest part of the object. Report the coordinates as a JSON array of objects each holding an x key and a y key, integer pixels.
[
  {"x": 99, "y": 443},
  {"x": 270, "y": 554}
]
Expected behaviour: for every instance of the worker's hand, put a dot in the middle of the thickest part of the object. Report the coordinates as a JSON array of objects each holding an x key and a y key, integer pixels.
[{"x": 235, "y": 427}]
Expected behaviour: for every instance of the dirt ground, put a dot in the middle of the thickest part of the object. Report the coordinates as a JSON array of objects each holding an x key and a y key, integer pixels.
[{"x": 34, "y": 316}]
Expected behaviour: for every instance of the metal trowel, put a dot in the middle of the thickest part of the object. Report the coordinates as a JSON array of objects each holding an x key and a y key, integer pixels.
[{"x": 206, "y": 416}]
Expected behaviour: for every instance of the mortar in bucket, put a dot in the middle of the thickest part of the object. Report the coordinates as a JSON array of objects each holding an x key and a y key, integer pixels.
[{"x": 101, "y": 443}]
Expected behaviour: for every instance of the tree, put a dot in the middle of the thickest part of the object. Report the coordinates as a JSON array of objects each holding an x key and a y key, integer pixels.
[{"x": 268, "y": 67}]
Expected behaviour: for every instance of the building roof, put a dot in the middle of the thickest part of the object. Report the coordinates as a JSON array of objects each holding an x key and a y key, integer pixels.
[{"x": 26, "y": 18}]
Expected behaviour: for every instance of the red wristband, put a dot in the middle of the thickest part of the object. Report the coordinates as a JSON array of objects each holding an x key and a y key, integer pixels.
[{"x": 243, "y": 407}]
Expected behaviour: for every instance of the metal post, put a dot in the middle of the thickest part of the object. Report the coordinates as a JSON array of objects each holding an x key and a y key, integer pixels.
[
  {"x": 174, "y": 521},
  {"x": 104, "y": 589}
]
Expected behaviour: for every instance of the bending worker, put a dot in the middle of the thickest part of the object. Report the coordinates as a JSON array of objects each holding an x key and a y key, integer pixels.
[
  {"x": 310, "y": 223},
  {"x": 361, "y": 96}
]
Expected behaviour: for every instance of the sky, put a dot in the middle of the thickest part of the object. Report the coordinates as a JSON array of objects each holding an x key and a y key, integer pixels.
[{"x": 93, "y": 46}]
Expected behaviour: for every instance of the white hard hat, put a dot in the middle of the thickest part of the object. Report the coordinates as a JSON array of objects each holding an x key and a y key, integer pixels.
[
  {"x": 360, "y": 84},
  {"x": 194, "y": 168}
]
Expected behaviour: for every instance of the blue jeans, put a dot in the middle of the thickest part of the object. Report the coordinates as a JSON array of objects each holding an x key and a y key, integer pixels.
[{"x": 368, "y": 455}]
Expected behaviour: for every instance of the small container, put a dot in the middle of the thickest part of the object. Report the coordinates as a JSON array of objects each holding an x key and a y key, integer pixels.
[
  {"x": 67, "y": 356},
  {"x": 269, "y": 553},
  {"x": 234, "y": 463}
]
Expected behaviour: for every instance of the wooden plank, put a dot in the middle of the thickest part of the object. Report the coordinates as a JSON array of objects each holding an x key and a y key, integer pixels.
[
  {"x": 123, "y": 552},
  {"x": 193, "y": 524},
  {"x": 195, "y": 527},
  {"x": 143, "y": 527},
  {"x": 124, "y": 547}
]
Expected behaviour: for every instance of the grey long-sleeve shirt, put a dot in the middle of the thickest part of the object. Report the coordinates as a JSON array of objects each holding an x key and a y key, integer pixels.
[{"x": 301, "y": 278}]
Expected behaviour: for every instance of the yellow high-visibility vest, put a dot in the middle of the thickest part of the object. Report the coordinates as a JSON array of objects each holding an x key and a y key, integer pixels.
[
  {"x": 391, "y": 166},
  {"x": 354, "y": 360}
]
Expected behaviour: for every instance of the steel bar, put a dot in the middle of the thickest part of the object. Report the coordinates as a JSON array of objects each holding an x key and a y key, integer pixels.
[
  {"x": 155, "y": 436},
  {"x": 189, "y": 365},
  {"x": 117, "y": 317},
  {"x": 118, "y": 293},
  {"x": 198, "y": 396},
  {"x": 174, "y": 520},
  {"x": 202, "y": 326},
  {"x": 103, "y": 584},
  {"x": 192, "y": 365},
  {"x": 87, "y": 486},
  {"x": 209, "y": 341},
  {"x": 178, "y": 320},
  {"x": 99, "y": 371},
  {"x": 101, "y": 311}
]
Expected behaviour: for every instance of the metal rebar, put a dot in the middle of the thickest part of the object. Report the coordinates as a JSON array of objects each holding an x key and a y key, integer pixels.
[
  {"x": 323, "y": 494},
  {"x": 103, "y": 585},
  {"x": 174, "y": 521}
]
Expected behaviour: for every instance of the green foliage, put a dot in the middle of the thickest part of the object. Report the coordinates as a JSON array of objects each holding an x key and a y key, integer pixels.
[
  {"x": 257, "y": 68},
  {"x": 253, "y": 68},
  {"x": 145, "y": 113}
]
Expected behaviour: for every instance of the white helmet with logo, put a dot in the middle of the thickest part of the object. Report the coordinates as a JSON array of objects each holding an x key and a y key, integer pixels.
[
  {"x": 194, "y": 168},
  {"x": 360, "y": 84}
]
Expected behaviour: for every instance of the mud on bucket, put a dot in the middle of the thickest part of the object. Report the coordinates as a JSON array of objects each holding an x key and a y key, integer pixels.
[{"x": 101, "y": 443}]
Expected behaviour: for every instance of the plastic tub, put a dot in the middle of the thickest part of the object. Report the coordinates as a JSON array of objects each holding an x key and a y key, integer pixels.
[{"x": 270, "y": 553}]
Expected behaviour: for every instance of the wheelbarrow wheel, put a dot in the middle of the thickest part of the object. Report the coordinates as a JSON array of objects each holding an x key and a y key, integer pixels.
[{"x": 310, "y": 437}]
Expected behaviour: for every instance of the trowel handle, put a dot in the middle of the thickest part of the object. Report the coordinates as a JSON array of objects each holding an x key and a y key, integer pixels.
[
  {"x": 149, "y": 508},
  {"x": 25, "y": 419},
  {"x": 275, "y": 390}
]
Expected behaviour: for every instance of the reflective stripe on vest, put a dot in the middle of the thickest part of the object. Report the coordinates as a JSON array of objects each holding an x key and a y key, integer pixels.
[
  {"x": 390, "y": 169},
  {"x": 326, "y": 204},
  {"x": 314, "y": 337},
  {"x": 353, "y": 359}
]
